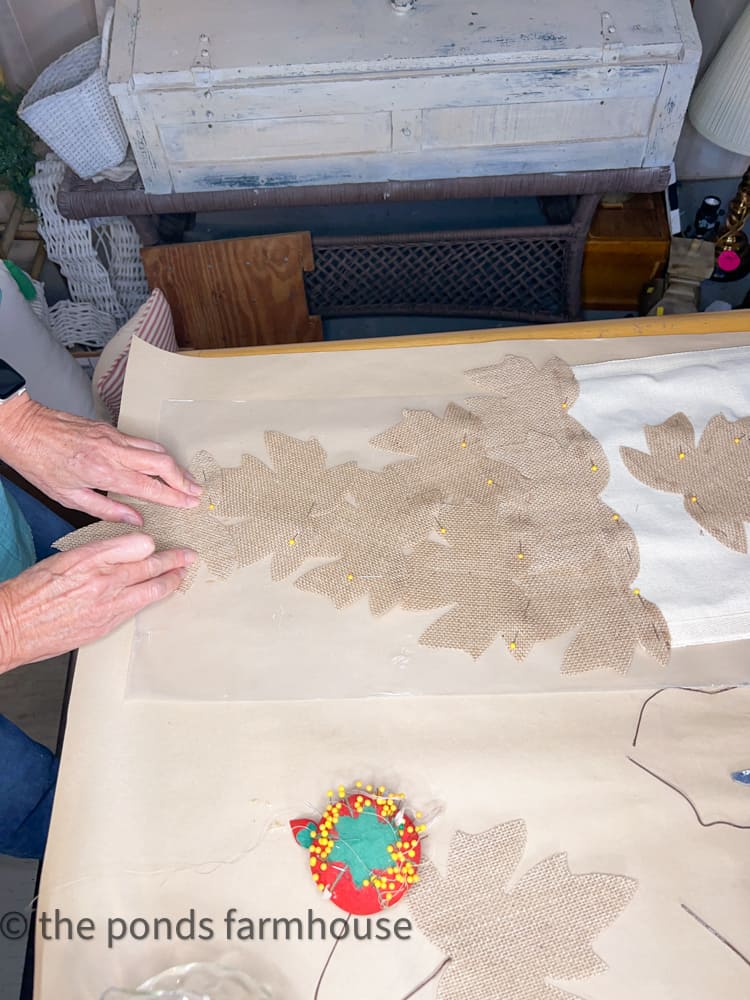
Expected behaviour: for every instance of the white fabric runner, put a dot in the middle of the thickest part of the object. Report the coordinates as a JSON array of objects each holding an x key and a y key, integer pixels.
[{"x": 700, "y": 585}]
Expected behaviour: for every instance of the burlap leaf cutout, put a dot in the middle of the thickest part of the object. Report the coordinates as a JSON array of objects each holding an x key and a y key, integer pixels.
[
  {"x": 285, "y": 510},
  {"x": 510, "y": 940},
  {"x": 449, "y": 456},
  {"x": 373, "y": 534},
  {"x": 199, "y": 528},
  {"x": 713, "y": 476},
  {"x": 492, "y": 518}
]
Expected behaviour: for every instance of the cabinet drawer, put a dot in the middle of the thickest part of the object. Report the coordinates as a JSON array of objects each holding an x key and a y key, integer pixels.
[{"x": 276, "y": 138}]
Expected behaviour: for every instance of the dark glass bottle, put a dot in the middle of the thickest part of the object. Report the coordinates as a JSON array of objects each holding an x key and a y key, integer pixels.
[{"x": 706, "y": 224}]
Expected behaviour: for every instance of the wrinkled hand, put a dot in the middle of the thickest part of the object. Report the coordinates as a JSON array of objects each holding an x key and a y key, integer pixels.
[
  {"x": 73, "y": 598},
  {"x": 69, "y": 457}
]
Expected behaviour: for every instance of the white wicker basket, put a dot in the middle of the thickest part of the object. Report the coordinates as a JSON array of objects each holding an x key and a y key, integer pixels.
[{"x": 69, "y": 106}]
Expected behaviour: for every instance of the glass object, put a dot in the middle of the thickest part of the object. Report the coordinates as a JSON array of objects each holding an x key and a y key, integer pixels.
[
  {"x": 196, "y": 981},
  {"x": 707, "y": 218}
]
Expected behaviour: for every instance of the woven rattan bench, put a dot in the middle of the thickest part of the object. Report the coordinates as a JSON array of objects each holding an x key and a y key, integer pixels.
[{"x": 525, "y": 274}]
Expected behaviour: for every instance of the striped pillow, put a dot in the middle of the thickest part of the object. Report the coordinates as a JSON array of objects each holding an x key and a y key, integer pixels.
[{"x": 152, "y": 323}]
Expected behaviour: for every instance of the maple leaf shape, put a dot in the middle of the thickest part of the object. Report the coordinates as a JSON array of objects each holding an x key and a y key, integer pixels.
[
  {"x": 198, "y": 528},
  {"x": 480, "y": 568},
  {"x": 523, "y": 398},
  {"x": 449, "y": 457},
  {"x": 574, "y": 461},
  {"x": 611, "y": 619},
  {"x": 532, "y": 568},
  {"x": 373, "y": 534},
  {"x": 712, "y": 476},
  {"x": 527, "y": 405},
  {"x": 509, "y": 942},
  {"x": 563, "y": 508},
  {"x": 585, "y": 561},
  {"x": 285, "y": 509}
]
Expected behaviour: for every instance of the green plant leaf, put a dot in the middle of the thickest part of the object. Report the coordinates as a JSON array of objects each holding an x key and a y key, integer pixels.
[{"x": 17, "y": 156}]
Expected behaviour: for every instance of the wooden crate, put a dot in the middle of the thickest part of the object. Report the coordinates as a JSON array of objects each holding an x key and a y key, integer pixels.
[
  {"x": 280, "y": 93},
  {"x": 627, "y": 247}
]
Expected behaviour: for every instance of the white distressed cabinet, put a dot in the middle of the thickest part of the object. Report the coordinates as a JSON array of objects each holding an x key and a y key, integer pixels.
[{"x": 257, "y": 93}]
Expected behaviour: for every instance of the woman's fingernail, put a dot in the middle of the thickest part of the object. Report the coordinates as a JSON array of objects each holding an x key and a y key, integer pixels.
[
  {"x": 189, "y": 556},
  {"x": 195, "y": 488},
  {"x": 132, "y": 518}
]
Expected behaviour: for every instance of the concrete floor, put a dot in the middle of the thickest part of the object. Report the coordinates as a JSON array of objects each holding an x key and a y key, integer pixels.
[{"x": 31, "y": 697}]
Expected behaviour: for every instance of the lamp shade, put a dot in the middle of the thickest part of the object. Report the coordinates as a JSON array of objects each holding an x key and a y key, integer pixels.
[{"x": 720, "y": 107}]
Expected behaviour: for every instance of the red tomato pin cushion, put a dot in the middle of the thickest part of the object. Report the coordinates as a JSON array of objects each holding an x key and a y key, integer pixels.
[{"x": 365, "y": 849}]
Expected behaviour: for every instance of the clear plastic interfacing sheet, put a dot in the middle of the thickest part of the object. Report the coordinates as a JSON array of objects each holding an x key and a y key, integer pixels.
[{"x": 249, "y": 637}]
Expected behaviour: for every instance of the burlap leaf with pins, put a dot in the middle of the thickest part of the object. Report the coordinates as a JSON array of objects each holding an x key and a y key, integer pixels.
[
  {"x": 449, "y": 457},
  {"x": 493, "y": 518},
  {"x": 523, "y": 400},
  {"x": 713, "y": 476},
  {"x": 581, "y": 560},
  {"x": 373, "y": 534},
  {"x": 198, "y": 528},
  {"x": 286, "y": 510},
  {"x": 478, "y": 570},
  {"x": 540, "y": 554},
  {"x": 510, "y": 940}
]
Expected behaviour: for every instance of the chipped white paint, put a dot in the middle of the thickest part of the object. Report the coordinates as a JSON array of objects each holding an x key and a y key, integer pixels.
[{"x": 292, "y": 92}]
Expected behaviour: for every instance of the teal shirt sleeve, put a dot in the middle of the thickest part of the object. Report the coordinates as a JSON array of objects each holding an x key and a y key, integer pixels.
[{"x": 16, "y": 543}]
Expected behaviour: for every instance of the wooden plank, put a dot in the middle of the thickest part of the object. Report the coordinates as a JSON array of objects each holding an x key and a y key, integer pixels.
[
  {"x": 9, "y": 233},
  {"x": 233, "y": 293},
  {"x": 443, "y": 128},
  {"x": 146, "y": 145},
  {"x": 297, "y": 37},
  {"x": 407, "y": 166},
  {"x": 145, "y": 141},
  {"x": 124, "y": 34},
  {"x": 669, "y": 116},
  {"x": 272, "y": 138},
  {"x": 26, "y": 231},
  {"x": 259, "y": 136},
  {"x": 532, "y": 124},
  {"x": 672, "y": 104},
  {"x": 38, "y": 262},
  {"x": 401, "y": 93},
  {"x": 697, "y": 324}
]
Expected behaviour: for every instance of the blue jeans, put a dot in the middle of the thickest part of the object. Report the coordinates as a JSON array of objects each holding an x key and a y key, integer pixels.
[
  {"x": 46, "y": 526},
  {"x": 28, "y": 770}
]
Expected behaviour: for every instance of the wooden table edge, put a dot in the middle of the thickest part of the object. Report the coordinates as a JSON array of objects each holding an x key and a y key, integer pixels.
[{"x": 692, "y": 324}]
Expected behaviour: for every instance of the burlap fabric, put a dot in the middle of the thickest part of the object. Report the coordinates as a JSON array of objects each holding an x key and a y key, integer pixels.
[
  {"x": 198, "y": 528},
  {"x": 713, "y": 476},
  {"x": 449, "y": 456},
  {"x": 509, "y": 942},
  {"x": 493, "y": 516},
  {"x": 283, "y": 510}
]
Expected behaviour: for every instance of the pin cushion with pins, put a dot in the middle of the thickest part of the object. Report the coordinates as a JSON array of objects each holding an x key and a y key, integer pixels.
[{"x": 365, "y": 849}]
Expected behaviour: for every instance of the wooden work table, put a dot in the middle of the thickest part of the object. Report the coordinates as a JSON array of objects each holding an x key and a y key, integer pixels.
[{"x": 165, "y": 804}]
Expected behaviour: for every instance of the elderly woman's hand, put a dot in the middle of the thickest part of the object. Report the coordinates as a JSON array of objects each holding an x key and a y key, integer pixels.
[
  {"x": 68, "y": 458},
  {"x": 76, "y": 597}
]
